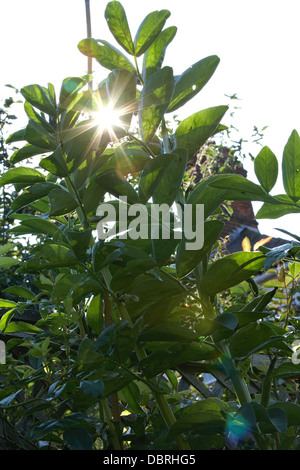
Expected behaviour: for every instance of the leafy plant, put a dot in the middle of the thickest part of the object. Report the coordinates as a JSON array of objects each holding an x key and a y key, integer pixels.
[{"x": 123, "y": 322}]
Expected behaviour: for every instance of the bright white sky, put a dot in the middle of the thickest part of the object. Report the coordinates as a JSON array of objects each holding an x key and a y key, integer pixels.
[{"x": 257, "y": 42}]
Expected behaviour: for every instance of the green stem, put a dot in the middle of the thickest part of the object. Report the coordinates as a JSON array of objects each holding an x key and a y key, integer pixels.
[
  {"x": 110, "y": 424},
  {"x": 165, "y": 136},
  {"x": 162, "y": 403},
  {"x": 138, "y": 71},
  {"x": 142, "y": 144},
  {"x": 80, "y": 211}
]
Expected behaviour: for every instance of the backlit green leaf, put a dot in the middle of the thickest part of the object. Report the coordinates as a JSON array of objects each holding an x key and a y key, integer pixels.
[
  {"x": 291, "y": 166},
  {"x": 107, "y": 55},
  {"x": 154, "y": 56},
  {"x": 117, "y": 22},
  {"x": 23, "y": 175},
  {"x": 149, "y": 29},
  {"x": 190, "y": 82},
  {"x": 266, "y": 168}
]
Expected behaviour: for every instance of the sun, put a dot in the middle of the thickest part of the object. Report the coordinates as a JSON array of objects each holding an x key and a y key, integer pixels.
[{"x": 107, "y": 117}]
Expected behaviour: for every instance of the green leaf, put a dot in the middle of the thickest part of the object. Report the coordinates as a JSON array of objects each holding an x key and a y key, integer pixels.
[
  {"x": 78, "y": 438},
  {"x": 49, "y": 256},
  {"x": 5, "y": 319},
  {"x": 25, "y": 152},
  {"x": 168, "y": 331},
  {"x": 20, "y": 291},
  {"x": 154, "y": 56},
  {"x": 35, "y": 225},
  {"x": 6, "y": 248},
  {"x": 179, "y": 353},
  {"x": 277, "y": 253},
  {"x": 291, "y": 166},
  {"x": 33, "y": 193},
  {"x": 190, "y": 82},
  {"x": 7, "y": 303},
  {"x": 121, "y": 91},
  {"x": 148, "y": 30},
  {"x": 204, "y": 193},
  {"x": 39, "y": 98},
  {"x": 61, "y": 202},
  {"x": 154, "y": 100},
  {"x": 274, "y": 211},
  {"x": 6, "y": 262},
  {"x": 202, "y": 422},
  {"x": 38, "y": 136},
  {"x": 94, "y": 315},
  {"x": 152, "y": 174},
  {"x": 193, "y": 132},
  {"x": 93, "y": 388},
  {"x": 23, "y": 175},
  {"x": 117, "y": 22},
  {"x": 251, "y": 338},
  {"x": 266, "y": 168},
  {"x": 187, "y": 260},
  {"x": 230, "y": 271},
  {"x": 117, "y": 186},
  {"x": 107, "y": 55},
  {"x": 79, "y": 241},
  {"x": 16, "y": 136},
  {"x": 21, "y": 327},
  {"x": 239, "y": 188},
  {"x": 169, "y": 185},
  {"x": 55, "y": 163}
]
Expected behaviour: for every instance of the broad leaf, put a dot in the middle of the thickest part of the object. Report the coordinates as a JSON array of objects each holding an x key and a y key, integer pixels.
[
  {"x": 193, "y": 132},
  {"x": 229, "y": 271},
  {"x": 38, "y": 136},
  {"x": 121, "y": 91},
  {"x": 39, "y": 98},
  {"x": 107, "y": 55},
  {"x": 154, "y": 100},
  {"x": 291, "y": 166},
  {"x": 94, "y": 315},
  {"x": 61, "y": 202},
  {"x": 187, "y": 260},
  {"x": 55, "y": 163},
  {"x": 31, "y": 194},
  {"x": 35, "y": 225},
  {"x": 190, "y": 82},
  {"x": 23, "y": 175},
  {"x": 7, "y": 262},
  {"x": 170, "y": 182},
  {"x": 152, "y": 174},
  {"x": 253, "y": 337},
  {"x": 239, "y": 188},
  {"x": 274, "y": 211},
  {"x": 117, "y": 22},
  {"x": 25, "y": 152},
  {"x": 154, "y": 56},
  {"x": 149, "y": 29},
  {"x": 266, "y": 168}
]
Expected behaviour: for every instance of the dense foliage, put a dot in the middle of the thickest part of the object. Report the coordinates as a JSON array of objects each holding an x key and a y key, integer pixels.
[{"x": 128, "y": 330}]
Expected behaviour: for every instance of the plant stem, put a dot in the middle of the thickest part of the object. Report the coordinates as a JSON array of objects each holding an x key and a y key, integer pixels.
[
  {"x": 165, "y": 136},
  {"x": 110, "y": 424},
  {"x": 80, "y": 211},
  {"x": 89, "y": 35},
  {"x": 142, "y": 144}
]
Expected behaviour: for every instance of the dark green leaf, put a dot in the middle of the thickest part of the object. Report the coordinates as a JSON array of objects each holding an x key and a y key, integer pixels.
[
  {"x": 55, "y": 163},
  {"x": 266, "y": 168},
  {"x": 251, "y": 338},
  {"x": 117, "y": 22},
  {"x": 190, "y": 82},
  {"x": 121, "y": 91},
  {"x": 25, "y": 152},
  {"x": 169, "y": 185},
  {"x": 38, "y": 136},
  {"x": 35, "y": 225},
  {"x": 78, "y": 438},
  {"x": 154, "y": 56},
  {"x": 94, "y": 388},
  {"x": 31, "y": 194},
  {"x": 21, "y": 327},
  {"x": 152, "y": 174},
  {"x": 153, "y": 102},
  {"x": 291, "y": 166},
  {"x": 187, "y": 260},
  {"x": 193, "y": 132},
  {"x": 20, "y": 291},
  {"x": 149, "y": 29},
  {"x": 61, "y": 202}
]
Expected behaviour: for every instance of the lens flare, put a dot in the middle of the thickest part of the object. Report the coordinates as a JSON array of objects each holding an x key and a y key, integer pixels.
[{"x": 107, "y": 117}]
